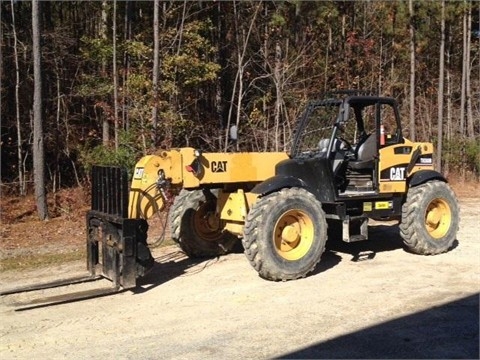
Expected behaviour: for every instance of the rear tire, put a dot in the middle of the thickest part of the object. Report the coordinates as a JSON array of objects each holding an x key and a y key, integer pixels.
[
  {"x": 430, "y": 218},
  {"x": 285, "y": 234},
  {"x": 196, "y": 228}
]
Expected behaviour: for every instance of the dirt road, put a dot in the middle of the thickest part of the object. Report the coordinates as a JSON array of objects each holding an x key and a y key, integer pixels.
[{"x": 366, "y": 300}]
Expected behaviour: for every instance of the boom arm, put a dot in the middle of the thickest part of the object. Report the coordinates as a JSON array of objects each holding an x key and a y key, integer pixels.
[{"x": 186, "y": 168}]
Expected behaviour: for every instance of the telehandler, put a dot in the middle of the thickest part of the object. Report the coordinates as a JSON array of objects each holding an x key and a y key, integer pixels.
[{"x": 349, "y": 162}]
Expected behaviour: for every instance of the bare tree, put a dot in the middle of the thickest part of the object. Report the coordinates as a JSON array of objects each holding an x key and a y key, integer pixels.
[
  {"x": 127, "y": 36},
  {"x": 449, "y": 97},
  {"x": 38, "y": 145},
  {"x": 21, "y": 179},
  {"x": 278, "y": 80},
  {"x": 104, "y": 36},
  {"x": 242, "y": 40},
  {"x": 115, "y": 76},
  {"x": 468, "y": 83},
  {"x": 464, "y": 73},
  {"x": 156, "y": 66},
  {"x": 412, "y": 70},
  {"x": 441, "y": 78}
]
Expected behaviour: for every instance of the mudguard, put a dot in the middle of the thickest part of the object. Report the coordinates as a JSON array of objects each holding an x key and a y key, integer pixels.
[
  {"x": 278, "y": 182},
  {"x": 421, "y": 177}
]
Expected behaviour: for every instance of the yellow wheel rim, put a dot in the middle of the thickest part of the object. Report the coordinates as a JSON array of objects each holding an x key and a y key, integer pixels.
[
  {"x": 293, "y": 235},
  {"x": 438, "y": 218},
  {"x": 206, "y": 224}
]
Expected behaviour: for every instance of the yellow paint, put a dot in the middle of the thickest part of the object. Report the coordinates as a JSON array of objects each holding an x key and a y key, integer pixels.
[
  {"x": 233, "y": 206},
  {"x": 388, "y": 159},
  {"x": 145, "y": 199},
  {"x": 235, "y": 228},
  {"x": 367, "y": 206},
  {"x": 223, "y": 168},
  {"x": 381, "y": 205},
  {"x": 217, "y": 169},
  {"x": 438, "y": 218},
  {"x": 293, "y": 235},
  {"x": 392, "y": 187}
]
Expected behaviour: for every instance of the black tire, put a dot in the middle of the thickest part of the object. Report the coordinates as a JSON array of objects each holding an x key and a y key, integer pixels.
[
  {"x": 285, "y": 234},
  {"x": 196, "y": 229},
  {"x": 430, "y": 218}
]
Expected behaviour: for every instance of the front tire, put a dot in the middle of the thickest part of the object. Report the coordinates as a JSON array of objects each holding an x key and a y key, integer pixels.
[
  {"x": 430, "y": 218},
  {"x": 195, "y": 226},
  {"x": 285, "y": 234}
]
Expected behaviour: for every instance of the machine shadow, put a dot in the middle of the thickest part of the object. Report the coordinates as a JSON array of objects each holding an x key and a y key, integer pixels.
[
  {"x": 449, "y": 331},
  {"x": 381, "y": 238},
  {"x": 170, "y": 266}
]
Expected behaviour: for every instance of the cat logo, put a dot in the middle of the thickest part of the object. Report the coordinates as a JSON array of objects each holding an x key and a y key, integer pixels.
[
  {"x": 397, "y": 173},
  {"x": 219, "y": 166}
]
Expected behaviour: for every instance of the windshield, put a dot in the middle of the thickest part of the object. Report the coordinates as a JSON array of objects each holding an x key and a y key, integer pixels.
[{"x": 315, "y": 126}]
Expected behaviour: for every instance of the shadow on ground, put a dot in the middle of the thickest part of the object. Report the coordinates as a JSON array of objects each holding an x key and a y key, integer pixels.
[
  {"x": 170, "y": 266},
  {"x": 381, "y": 238},
  {"x": 449, "y": 331}
]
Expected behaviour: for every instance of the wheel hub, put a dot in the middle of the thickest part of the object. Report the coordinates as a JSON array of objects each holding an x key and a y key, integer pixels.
[
  {"x": 212, "y": 221},
  {"x": 290, "y": 234},
  {"x": 206, "y": 223},
  {"x": 293, "y": 235},
  {"x": 438, "y": 218}
]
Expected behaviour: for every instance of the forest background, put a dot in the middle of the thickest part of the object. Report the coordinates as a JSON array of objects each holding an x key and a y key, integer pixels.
[{"x": 121, "y": 79}]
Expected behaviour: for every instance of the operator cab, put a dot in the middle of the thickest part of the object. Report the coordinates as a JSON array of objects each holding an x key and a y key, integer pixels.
[
  {"x": 369, "y": 123},
  {"x": 348, "y": 131}
]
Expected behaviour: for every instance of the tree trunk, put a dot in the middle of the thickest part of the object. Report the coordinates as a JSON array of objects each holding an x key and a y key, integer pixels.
[
  {"x": 156, "y": 66},
  {"x": 464, "y": 73},
  {"x": 234, "y": 90},
  {"x": 104, "y": 36},
  {"x": 277, "y": 76},
  {"x": 468, "y": 83},
  {"x": 449, "y": 104},
  {"x": 115, "y": 77},
  {"x": 220, "y": 59},
  {"x": 240, "y": 95},
  {"x": 412, "y": 70},
  {"x": 126, "y": 64},
  {"x": 38, "y": 146},
  {"x": 241, "y": 48},
  {"x": 441, "y": 78},
  {"x": 21, "y": 179},
  {"x": 392, "y": 58}
]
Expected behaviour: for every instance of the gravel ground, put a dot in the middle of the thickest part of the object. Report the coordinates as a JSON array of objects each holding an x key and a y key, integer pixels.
[{"x": 365, "y": 300}]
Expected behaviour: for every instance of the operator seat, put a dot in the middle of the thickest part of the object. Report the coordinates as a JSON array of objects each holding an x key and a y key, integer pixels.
[{"x": 365, "y": 153}]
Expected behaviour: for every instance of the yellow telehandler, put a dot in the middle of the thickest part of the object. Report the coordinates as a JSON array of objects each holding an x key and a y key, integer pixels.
[{"x": 348, "y": 162}]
